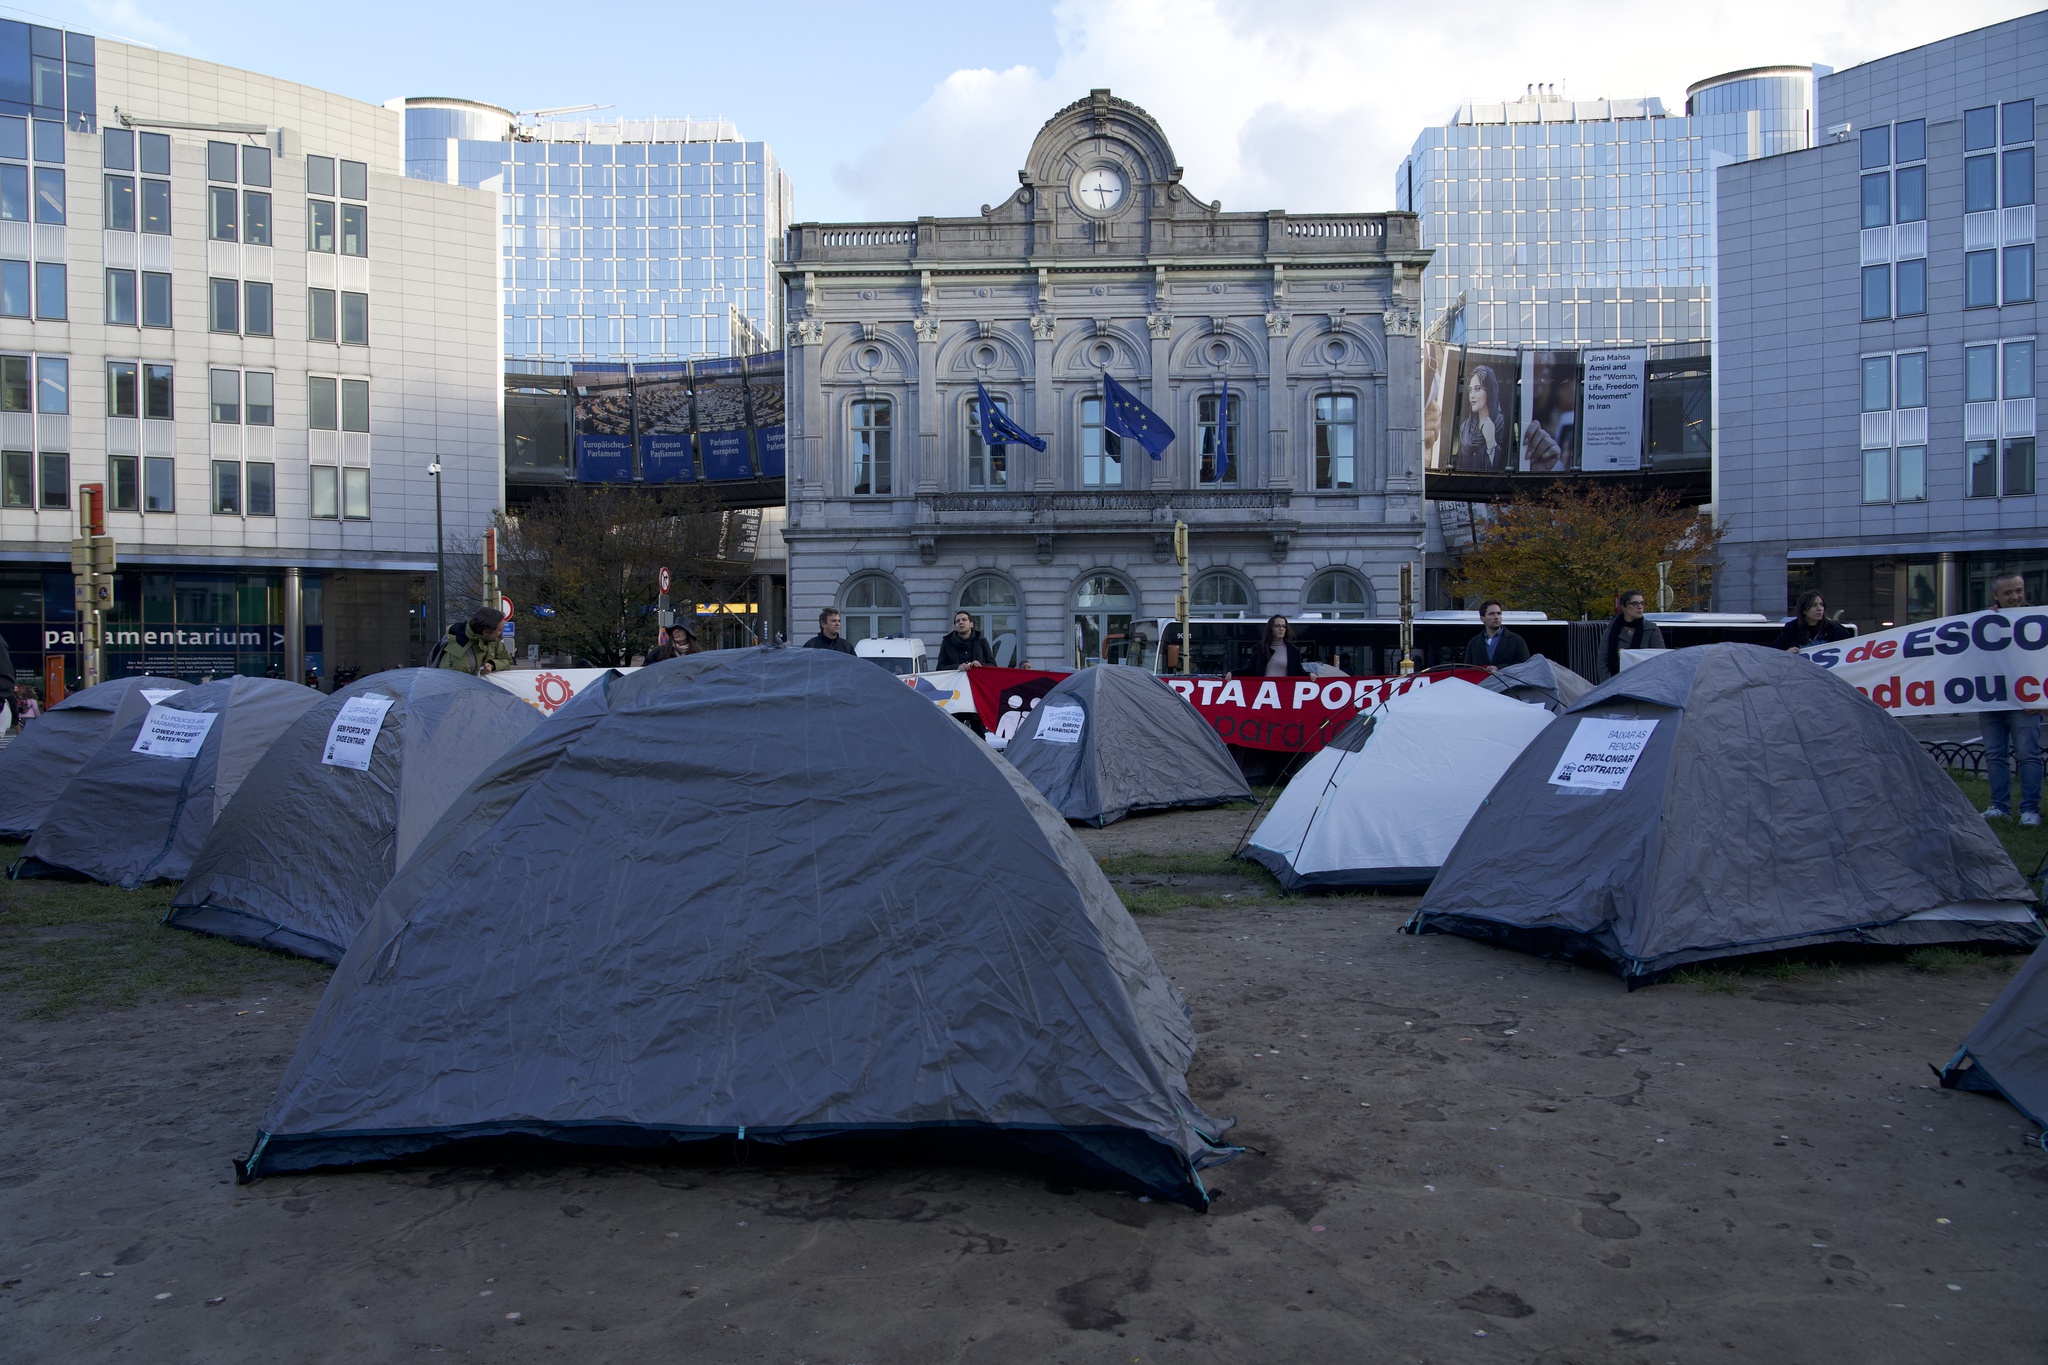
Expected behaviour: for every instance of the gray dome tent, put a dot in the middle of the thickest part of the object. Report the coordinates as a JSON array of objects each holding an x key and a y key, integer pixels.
[
  {"x": 1769, "y": 806},
  {"x": 1113, "y": 739},
  {"x": 133, "y": 817},
  {"x": 2007, "y": 1053},
  {"x": 298, "y": 862},
  {"x": 47, "y": 754},
  {"x": 1540, "y": 681},
  {"x": 761, "y": 895}
]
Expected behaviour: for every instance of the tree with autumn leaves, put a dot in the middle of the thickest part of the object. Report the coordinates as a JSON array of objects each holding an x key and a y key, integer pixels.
[{"x": 1567, "y": 550}]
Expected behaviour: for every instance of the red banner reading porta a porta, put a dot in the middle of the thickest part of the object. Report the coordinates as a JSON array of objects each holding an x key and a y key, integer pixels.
[{"x": 1291, "y": 715}]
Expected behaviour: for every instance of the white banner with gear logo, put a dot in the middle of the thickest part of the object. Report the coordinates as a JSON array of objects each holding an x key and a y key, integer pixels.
[{"x": 1981, "y": 661}]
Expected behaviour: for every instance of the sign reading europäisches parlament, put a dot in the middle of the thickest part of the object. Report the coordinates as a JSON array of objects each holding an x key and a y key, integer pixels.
[
  {"x": 352, "y": 738},
  {"x": 1602, "y": 753}
]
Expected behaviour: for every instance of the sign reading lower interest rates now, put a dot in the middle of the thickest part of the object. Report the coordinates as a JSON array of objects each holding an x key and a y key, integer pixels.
[
  {"x": 169, "y": 733},
  {"x": 352, "y": 739}
]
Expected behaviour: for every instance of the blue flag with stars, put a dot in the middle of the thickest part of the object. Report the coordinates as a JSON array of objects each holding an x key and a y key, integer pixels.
[
  {"x": 997, "y": 430},
  {"x": 1223, "y": 437},
  {"x": 1124, "y": 415}
]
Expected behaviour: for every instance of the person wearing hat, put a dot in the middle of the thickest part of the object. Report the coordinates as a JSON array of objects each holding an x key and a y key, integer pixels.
[{"x": 677, "y": 641}]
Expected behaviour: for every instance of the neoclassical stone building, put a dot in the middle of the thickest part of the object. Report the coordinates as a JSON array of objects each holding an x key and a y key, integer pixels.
[{"x": 1308, "y": 500}]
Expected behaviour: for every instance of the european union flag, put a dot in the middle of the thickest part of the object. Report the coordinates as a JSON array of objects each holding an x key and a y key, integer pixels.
[
  {"x": 997, "y": 430},
  {"x": 1223, "y": 437},
  {"x": 1124, "y": 415}
]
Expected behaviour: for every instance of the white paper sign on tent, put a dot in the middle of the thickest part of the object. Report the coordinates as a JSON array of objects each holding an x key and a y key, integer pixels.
[
  {"x": 1061, "y": 724},
  {"x": 153, "y": 695},
  {"x": 167, "y": 733},
  {"x": 1601, "y": 753},
  {"x": 352, "y": 738}
]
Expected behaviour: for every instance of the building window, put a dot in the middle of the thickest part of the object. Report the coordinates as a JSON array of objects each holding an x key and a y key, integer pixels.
[
  {"x": 52, "y": 292},
  {"x": 2018, "y": 119},
  {"x": 56, "y": 479},
  {"x": 1980, "y": 184},
  {"x": 1980, "y": 129},
  {"x": 1339, "y": 594},
  {"x": 319, "y": 223},
  {"x": 124, "y": 397},
  {"x": 355, "y": 405},
  {"x": 1877, "y": 292},
  {"x": 2018, "y": 176},
  {"x": 49, "y": 136},
  {"x": 49, "y": 195},
  {"x": 156, "y": 206},
  {"x": 220, "y": 162},
  {"x": 355, "y": 180},
  {"x": 1214, "y": 470},
  {"x": 326, "y": 492},
  {"x": 15, "y": 394},
  {"x": 355, "y": 319},
  {"x": 319, "y": 315},
  {"x": 157, "y": 393},
  {"x": 256, "y": 166},
  {"x": 121, "y": 298},
  {"x": 17, "y": 479},
  {"x": 1911, "y": 194},
  {"x": 14, "y": 290},
  {"x": 1877, "y": 475},
  {"x": 1895, "y": 385},
  {"x": 117, "y": 149},
  {"x": 124, "y": 476},
  {"x": 256, "y": 217},
  {"x": 1103, "y": 610},
  {"x": 1877, "y": 194},
  {"x": 256, "y": 312},
  {"x": 1336, "y": 441},
  {"x": 262, "y": 489},
  {"x": 13, "y": 193},
  {"x": 120, "y": 203},
  {"x": 158, "y": 480},
  {"x": 992, "y": 601},
  {"x": 1220, "y": 594},
  {"x": 355, "y": 494},
  {"x": 871, "y": 447},
  {"x": 1912, "y": 380},
  {"x": 221, "y": 216},
  {"x": 320, "y": 175},
  {"x": 224, "y": 390},
  {"x": 1877, "y": 383},
  {"x": 156, "y": 299},
  {"x": 355, "y": 230},
  {"x": 259, "y": 395},
  {"x": 1980, "y": 279},
  {"x": 987, "y": 466},
  {"x": 1912, "y": 300},
  {"x": 53, "y": 385},
  {"x": 1911, "y": 139},
  {"x": 2019, "y": 274},
  {"x": 227, "y": 488},
  {"x": 323, "y": 410},
  {"x": 1102, "y": 450},
  {"x": 2003, "y": 466},
  {"x": 1877, "y": 148},
  {"x": 871, "y": 607},
  {"x": 2019, "y": 466},
  {"x": 1912, "y": 473},
  {"x": 225, "y": 311}
]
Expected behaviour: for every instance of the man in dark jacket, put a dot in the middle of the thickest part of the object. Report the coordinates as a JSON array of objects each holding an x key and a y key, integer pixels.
[
  {"x": 828, "y": 633},
  {"x": 964, "y": 646},
  {"x": 1496, "y": 647},
  {"x": 1628, "y": 630}
]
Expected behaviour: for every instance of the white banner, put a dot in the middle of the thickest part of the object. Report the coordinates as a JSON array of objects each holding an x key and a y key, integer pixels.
[
  {"x": 167, "y": 733},
  {"x": 1601, "y": 753},
  {"x": 548, "y": 689},
  {"x": 1061, "y": 724},
  {"x": 1611, "y": 410},
  {"x": 1983, "y": 661},
  {"x": 353, "y": 736}
]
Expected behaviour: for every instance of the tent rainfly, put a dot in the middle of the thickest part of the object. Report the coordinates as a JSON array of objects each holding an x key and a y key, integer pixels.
[
  {"x": 339, "y": 803},
  {"x": 1382, "y": 802},
  {"x": 751, "y": 896},
  {"x": 1538, "y": 679},
  {"x": 2007, "y": 1053},
  {"x": 1112, "y": 739},
  {"x": 47, "y": 754},
  {"x": 1724, "y": 800},
  {"x": 143, "y": 804}
]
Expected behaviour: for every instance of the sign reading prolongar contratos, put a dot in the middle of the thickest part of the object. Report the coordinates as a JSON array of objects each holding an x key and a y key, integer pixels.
[
  {"x": 352, "y": 738},
  {"x": 1601, "y": 753},
  {"x": 1061, "y": 724},
  {"x": 168, "y": 733}
]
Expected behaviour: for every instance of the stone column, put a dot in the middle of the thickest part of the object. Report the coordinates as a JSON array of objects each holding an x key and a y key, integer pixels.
[
  {"x": 1045, "y": 416},
  {"x": 1159, "y": 397},
  {"x": 1282, "y": 458},
  {"x": 927, "y": 406},
  {"x": 1403, "y": 419}
]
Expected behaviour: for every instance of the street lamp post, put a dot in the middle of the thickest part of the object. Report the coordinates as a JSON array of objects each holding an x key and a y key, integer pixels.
[{"x": 440, "y": 559}]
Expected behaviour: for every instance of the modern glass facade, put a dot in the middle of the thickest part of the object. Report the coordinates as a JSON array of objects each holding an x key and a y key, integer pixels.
[
  {"x": 1587, "y": 222},
  {"x": 625, "y": 239}
]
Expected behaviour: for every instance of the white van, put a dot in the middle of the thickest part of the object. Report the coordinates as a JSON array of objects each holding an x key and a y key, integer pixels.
[{"x": 903, "y": 655}]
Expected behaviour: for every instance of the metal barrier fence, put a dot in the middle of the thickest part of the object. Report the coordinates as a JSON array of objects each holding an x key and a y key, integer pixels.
[{"x": 1961, "y": 755}]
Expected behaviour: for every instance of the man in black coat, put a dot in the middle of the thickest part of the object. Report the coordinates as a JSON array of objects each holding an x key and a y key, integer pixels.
[
  {"x": 828, "y": 636},
  {"x": 1628, "y": 630},
  {"x": 1496, "y": 647},
  {"x": 964, "y": 646}
]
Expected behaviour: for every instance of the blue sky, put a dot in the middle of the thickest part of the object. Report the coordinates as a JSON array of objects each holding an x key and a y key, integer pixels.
[{"x": 895, "y": 109}]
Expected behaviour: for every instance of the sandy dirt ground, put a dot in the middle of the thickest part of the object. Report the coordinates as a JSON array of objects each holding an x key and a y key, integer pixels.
[{"x": 1456, "y": 1154}]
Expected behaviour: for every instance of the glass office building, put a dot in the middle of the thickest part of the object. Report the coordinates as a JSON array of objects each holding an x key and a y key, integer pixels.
[
  {"x": 1587, "y": 222},
  {"x": 624, "y": 239}
]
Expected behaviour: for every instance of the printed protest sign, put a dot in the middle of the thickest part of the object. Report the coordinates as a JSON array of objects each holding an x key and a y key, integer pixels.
[
  {"x": 1980, "y": 661},
  {"x": 1061, "y": 724},
  {"x": 1601, "y": 753},
  {"x": 173, "y": 734},
  {"x": 353, "y": 736}
]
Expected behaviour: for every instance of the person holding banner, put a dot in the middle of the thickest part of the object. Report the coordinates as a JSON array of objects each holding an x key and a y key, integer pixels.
[
  {"x": 477, "y": 645},
  {"x": 965, "y": 646},
  {"x": 1277, "y": 655},
  {"x": 1810, "y": 626},
  {"x": 1496, "y": 647},
  {"x": 2012, "y": 734},
  {"x": 1628, "y": 630}
]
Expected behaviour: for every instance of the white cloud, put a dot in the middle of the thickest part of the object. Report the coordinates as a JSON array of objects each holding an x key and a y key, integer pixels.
[{"x": 1311, "y": 104}]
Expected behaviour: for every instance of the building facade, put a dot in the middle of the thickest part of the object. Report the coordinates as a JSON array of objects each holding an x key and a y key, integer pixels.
[
  {"x": 221, "y": 299},
  {"x": 1304, "y": 498},
  {"x": 1878, "y": 346},
  {"x": 1560, "y": 222},
  {"x": 624, "y": 240}
]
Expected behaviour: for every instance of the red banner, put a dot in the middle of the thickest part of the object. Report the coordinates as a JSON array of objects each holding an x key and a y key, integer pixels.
[{"x": 1291, "y": 715}]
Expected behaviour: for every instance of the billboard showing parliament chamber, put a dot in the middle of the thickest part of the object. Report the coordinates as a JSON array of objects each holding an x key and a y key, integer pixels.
[{"x": 679, "y": 421}]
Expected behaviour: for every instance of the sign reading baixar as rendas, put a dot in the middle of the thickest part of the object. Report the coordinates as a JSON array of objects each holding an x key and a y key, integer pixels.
[{"x": 1981, "y": 661}]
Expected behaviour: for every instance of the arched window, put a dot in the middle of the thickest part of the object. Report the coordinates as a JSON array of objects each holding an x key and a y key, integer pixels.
[
  {"x": 872, "y": 607},
  {"x": 1220, "y": 594},
  {"x": 992, "y": 602},
  {"x": 873, "y": 447},
  {"x": 1103, "y": 608},
  {"x": 1336, "y": 441},
  {"x": 1339, "y": 594}
]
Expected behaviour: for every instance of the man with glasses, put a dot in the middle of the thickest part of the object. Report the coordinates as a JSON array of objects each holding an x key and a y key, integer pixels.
[
  {"x": 2012, "y": 734},
  {"x": 1629, "y": 630}
]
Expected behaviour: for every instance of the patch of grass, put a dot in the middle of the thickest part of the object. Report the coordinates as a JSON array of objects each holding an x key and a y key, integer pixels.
[
  {"x": 1187, "y": 864},
  {"x": 1947, "y": 959},
  {"x": 2028, "y": 847},
  {"x": 1719, "y": 980},
  {"x": 70, "y": 945},
  {"x": 1154, "y": 900}
]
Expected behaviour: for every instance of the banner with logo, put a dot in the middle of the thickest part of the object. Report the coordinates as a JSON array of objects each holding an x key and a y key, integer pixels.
[
  {"x": 661, "y": 402},
  {"x": 1981, "y": 661},
  {"x": 603, "y": 417},
  {"x": 548, "y": 690}
]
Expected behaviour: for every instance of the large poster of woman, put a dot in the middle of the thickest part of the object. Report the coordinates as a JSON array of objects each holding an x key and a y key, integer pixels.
[
  {"x": 1485, "y": 428},
  {"x": 1550, "y": 411}
]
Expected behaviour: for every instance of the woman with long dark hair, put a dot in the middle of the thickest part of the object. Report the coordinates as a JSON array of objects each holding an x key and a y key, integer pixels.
[
  {"x": 1483, "y": 437},
  {"x": 1810, "y": 626},
  {"x": 1279, "y": 653}
]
